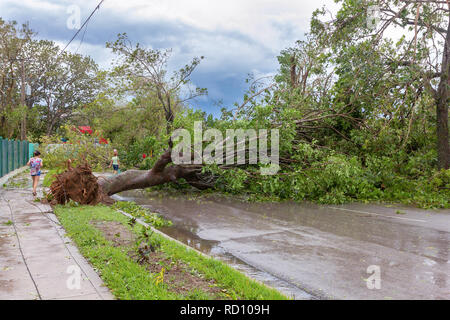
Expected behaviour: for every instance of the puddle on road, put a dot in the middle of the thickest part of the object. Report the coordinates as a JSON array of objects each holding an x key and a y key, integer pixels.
[
  {"x": 309, "y": 251},
  {"x": 213, "y": 248},
  {"x": 187, "y": 232}
]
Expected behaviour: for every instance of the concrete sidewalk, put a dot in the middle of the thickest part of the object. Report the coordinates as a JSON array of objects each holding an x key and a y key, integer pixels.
[{"x": 37, "y": 260}]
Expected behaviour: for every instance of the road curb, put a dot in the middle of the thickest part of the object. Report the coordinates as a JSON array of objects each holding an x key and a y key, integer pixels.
[{"x": 141, "y": 222}]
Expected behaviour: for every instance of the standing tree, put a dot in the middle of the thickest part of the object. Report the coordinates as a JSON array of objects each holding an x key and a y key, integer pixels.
[
  {"x": 69, "y": 81},
  {"x": 146, "y": 69},
  {"x": 59, "y": 82},
  {"x": 421, "y": 55},
  {"x": 13, "y": 40}
]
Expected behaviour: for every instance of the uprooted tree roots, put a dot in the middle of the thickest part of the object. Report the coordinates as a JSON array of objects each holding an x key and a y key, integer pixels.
[{"x": 79, "y": 185}]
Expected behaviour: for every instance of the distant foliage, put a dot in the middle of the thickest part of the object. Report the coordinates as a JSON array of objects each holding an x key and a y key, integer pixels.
[
  {"x": 80, "y": 148},
  {"x": 143, "y": 153}
]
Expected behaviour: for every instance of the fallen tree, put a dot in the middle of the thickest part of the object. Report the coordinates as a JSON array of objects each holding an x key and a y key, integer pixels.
[
  {"x": 161, "y": 173},
  {"x": 80, "y": 185}
]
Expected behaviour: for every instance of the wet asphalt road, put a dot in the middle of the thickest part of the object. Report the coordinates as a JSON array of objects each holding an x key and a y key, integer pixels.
[{"x": 320, "y": 251}]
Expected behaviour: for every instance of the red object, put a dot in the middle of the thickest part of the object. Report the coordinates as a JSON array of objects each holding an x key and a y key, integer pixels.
[
  {"x": 88, "y": 130},
  {"x": 144, "y": 156},
  {"x": 85, "y": 129}
]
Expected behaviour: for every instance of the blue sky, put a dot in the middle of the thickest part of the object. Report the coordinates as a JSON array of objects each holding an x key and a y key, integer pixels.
[{"x": 237, "y": 37}]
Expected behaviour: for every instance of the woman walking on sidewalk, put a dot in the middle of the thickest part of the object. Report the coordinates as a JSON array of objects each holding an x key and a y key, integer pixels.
[{"x": 35, "y": 164}]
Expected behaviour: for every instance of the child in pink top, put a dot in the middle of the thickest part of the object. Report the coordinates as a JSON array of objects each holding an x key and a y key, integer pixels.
[{"x": 35, "y": 164}]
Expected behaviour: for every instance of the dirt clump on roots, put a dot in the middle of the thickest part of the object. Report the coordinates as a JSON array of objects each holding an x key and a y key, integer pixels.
[{"x": 79, "y": 185}]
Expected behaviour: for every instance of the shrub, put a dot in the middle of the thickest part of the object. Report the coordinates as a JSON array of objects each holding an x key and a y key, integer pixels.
[
  {"x": 150, "y": 146},
  {"x": 80, "y": 148},
  {"x": 51, "y": 176}
]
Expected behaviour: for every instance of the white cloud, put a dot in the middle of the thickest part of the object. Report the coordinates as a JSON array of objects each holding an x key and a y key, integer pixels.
[
  {"x": 257, "y": 19},
  {"x": 99, "y": 53},
  {"x": 47, "y": 6},
  {"x": 267, "y": 24}
]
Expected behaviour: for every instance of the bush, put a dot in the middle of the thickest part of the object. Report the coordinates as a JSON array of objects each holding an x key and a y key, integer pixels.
[
  {"x": 80, "y": 148},
  {"x": 336, "y": 179},
  {"x": 51, "y": 176},
  {"x": 150, "y": 146}
]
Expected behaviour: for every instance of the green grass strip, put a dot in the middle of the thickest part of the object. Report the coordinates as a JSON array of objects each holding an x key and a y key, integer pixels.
[{"x": 128, "y": 280}]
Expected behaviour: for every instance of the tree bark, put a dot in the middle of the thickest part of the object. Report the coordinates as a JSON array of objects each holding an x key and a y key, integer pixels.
[
  {"x": 442, "y": 105},
  {"x": 160, "y": 174},
  {"x": 23, "y": 126},
  {"x": 294, "y": 71}
]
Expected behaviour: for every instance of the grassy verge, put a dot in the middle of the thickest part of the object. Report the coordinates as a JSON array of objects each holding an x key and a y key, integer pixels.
[
  {"x": 140, "y": 265},
  {"x": 141, "y": 213}
]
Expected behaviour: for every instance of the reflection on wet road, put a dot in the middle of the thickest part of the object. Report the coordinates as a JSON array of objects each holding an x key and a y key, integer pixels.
[{"x": 311, "y": 251}]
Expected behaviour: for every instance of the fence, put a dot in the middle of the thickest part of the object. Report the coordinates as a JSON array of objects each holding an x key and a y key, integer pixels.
[{"x": 14, "y": 154}]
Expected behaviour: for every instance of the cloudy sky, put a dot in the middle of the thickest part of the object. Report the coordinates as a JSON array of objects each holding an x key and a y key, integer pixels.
[{"x": 237, "y": 37}]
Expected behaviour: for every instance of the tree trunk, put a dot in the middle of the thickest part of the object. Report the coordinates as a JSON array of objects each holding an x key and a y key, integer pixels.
[
  {"x": 50, "y": 125},
  {"x": 442, "y": 134},
  {"x": 160, "y": 174},
  {"x": 293, "y": 72},
  {"x": 23, "y": 126},
  {"x": 442, "y": 105}
]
